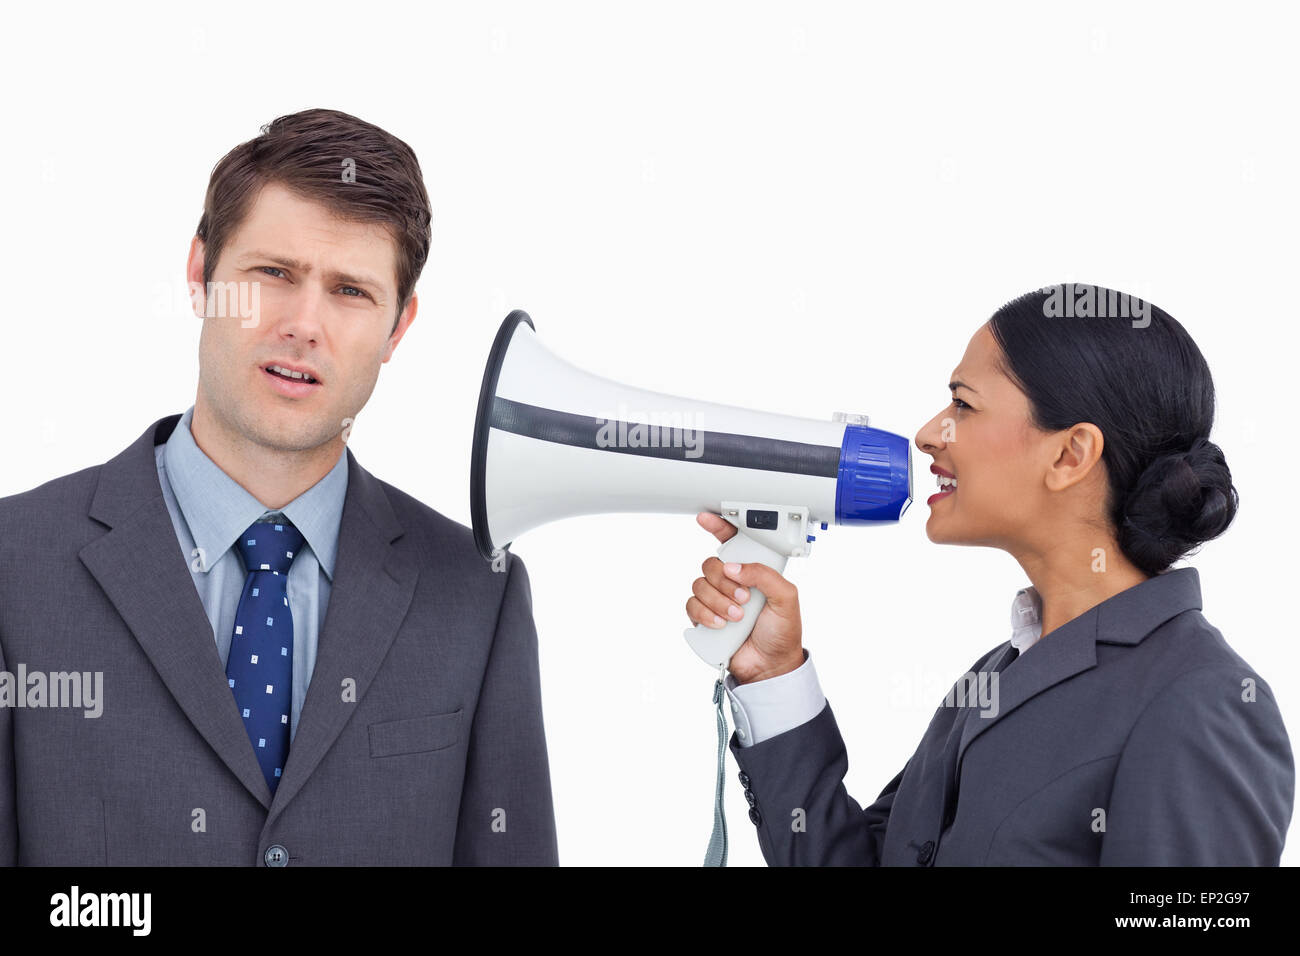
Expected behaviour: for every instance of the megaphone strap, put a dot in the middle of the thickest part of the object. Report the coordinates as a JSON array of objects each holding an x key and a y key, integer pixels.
[{"x": 717, "y": 852}]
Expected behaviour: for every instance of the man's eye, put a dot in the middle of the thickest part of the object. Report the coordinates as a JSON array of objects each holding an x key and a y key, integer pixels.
[
  {"x": 355, "y": 289},
  {"x": 272, "y": 269}
]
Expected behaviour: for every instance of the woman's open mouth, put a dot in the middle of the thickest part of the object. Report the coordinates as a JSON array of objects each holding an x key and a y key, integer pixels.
[{"x": 948, "y": 488}]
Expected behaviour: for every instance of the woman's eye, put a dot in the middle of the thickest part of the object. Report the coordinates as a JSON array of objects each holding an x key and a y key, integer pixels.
[{"x": 959, "y": 403}]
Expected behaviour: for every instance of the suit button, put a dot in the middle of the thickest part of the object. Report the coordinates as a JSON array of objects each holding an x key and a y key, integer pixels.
[
  {"x": 924, "y": 854},
  {"x": 276, "y": 855},
  {"x": 744, "y": 779},
  {"x": 749, "y": 795},
  {"x": 754, "y": 818}
]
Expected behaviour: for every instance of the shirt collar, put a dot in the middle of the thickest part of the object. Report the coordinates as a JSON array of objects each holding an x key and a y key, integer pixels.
[
  {"x": 1026, "y": 619},
  {"x": 1123, "y": 618},
  {"x": 218, "y": 509}
]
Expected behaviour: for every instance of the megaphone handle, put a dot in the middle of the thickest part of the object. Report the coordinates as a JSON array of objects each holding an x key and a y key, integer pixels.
[{"x": 715, "y": 645}]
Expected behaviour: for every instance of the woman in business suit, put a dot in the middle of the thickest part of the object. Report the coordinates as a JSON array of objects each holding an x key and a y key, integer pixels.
[{"x": 1117, "y": 727}]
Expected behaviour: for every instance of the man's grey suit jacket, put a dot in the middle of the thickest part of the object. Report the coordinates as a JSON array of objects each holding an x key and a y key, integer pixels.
[
  {"x": 1132, "y": 735},
  {"x": 420, "y": 739}
]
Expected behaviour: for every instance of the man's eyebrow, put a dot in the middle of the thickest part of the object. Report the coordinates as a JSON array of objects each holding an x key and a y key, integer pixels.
[
  {"x": 288, "y": 263},
  {"x": 953, "y": 386}
]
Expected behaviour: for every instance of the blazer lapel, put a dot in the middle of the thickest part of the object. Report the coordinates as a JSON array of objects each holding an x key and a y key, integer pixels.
[
  {"x": 139, "y": 566},
  {"x": 1125, "y": 618},
  {"x": 372, "y": 589},
  {"x": 1073, "y": 648}
]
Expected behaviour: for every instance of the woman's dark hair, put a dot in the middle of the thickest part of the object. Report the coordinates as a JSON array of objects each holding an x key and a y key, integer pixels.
[{"x": 1089, "y": 354}]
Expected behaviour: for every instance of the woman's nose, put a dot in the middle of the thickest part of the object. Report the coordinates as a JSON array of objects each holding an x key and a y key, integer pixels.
[{"x": 926, "y": 437}]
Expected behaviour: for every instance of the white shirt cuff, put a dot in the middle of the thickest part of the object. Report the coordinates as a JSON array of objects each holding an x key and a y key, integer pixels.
[{"x": 766, "y": 708}]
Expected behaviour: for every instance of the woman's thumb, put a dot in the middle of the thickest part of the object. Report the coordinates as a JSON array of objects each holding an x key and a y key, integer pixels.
[
  {"x": 721, "y": 528},
  {"x": 779, "y": 591}
]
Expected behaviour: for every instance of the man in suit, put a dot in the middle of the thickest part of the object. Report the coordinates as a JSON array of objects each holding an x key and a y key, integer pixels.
[{"x": 231, "y": 644}]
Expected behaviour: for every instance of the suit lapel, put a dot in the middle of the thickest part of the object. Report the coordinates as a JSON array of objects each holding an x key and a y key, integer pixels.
[
  {"x": 1058, "y": 656},
  {"x": 139, "y": 566},
  {"x": 1124, "y": 618},
  {"x": 372, "y": 589}
]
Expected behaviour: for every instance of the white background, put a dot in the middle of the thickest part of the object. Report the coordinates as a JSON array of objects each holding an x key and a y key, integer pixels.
[{"x": 797, "y": 208}]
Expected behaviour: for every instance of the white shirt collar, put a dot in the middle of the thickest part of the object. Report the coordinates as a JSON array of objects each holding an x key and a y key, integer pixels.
[{"x": 1026, "y": 619}]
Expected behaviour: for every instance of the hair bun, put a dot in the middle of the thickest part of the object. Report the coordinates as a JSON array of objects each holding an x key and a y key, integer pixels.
[{"x": 1180, "y": 501}]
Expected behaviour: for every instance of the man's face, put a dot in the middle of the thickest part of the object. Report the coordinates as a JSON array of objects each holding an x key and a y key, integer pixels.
[{"x": 326, "y": 295}]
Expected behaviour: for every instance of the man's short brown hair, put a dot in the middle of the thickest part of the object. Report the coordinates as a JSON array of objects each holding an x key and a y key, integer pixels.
[{"x": 359, "y": 171}]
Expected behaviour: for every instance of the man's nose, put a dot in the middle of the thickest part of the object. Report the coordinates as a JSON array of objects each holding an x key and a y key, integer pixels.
[{"x": 299, "y": 315}]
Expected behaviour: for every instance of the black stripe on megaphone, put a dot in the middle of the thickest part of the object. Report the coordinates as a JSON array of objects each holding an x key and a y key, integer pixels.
[{"x": 716, "y": 448}]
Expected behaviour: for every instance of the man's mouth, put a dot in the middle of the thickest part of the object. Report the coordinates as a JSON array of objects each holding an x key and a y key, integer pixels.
[{"x": 279, "y": 371}]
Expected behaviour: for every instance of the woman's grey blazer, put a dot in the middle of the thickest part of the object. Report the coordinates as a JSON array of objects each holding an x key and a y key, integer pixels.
[{"x": 1133, "y": 735}]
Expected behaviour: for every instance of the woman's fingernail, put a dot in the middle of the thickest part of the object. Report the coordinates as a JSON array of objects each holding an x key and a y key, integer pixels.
[
  {"x": 735, "y": 612},
  {"x": 741, "y": 595},
  {"x": 717, "y": 621},
  {"x": 731, "y": 568}
]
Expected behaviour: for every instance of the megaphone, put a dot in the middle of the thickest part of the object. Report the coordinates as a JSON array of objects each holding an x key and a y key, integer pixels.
[{"x": 552, "y": 441}]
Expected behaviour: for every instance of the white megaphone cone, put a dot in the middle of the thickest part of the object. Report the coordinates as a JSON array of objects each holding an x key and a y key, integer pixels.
[{"x": 552, "y": 441}]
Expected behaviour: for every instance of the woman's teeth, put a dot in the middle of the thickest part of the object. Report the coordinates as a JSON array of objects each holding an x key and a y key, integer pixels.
[{"x": 946, "y": 483}]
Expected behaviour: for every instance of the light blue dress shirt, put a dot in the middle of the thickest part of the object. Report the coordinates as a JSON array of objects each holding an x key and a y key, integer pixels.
[
  {"x": 766, "y": 708},
  {"x": 210, "y": 510}
]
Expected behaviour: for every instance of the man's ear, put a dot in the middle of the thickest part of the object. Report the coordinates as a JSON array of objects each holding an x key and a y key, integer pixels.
[
  {"x": 403, "y": 323},
  {"x": 194, "y": 278}
]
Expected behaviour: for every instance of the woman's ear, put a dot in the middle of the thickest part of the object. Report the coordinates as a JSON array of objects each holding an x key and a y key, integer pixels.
[{"x": 1079, "y": 451}]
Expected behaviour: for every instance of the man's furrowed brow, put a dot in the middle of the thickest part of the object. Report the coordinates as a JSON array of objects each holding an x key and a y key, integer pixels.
[
  {"x": 276, "y": 258},
  {"x": 290, "y": 263}
]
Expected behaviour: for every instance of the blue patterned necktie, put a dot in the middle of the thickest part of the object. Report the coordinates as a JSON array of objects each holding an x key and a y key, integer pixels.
[{"x": 260, "y": 666}]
